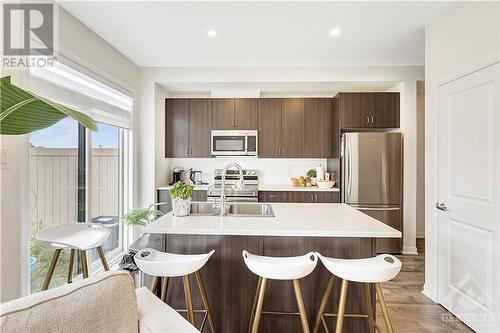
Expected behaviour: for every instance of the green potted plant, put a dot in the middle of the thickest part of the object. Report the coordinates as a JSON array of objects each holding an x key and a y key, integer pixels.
[
  {"x": 181, "y": 198},
  {"x": 312, "y": 173},
  {"x": 139, "y": 217}
]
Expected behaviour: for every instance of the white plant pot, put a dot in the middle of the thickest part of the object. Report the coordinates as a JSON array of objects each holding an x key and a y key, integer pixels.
[
  {"x": 313, "y": 181},
  {"x": 181, "y": 207}
]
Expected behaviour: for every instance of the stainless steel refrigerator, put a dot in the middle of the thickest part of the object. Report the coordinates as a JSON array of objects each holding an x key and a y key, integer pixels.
[{"x": 372, "y": 178}]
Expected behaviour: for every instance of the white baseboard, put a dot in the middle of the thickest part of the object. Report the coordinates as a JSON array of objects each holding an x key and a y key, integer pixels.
[
  {"x": 412, "y": 250},
  {"x": 429, "y": 295},
  {"x": 420, "y": 234}
]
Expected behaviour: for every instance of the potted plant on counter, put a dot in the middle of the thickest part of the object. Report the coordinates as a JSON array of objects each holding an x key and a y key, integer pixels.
[
  {"x": 139, "y": 217},
  {"x": 181, "y": 198},
  {"x": 312, "y": 173}
]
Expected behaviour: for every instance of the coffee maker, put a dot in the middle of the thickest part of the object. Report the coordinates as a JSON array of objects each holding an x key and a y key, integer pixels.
[{"x": 177, "y": 175}]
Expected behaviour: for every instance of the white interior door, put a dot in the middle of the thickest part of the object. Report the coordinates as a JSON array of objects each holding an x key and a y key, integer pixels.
[{"x": 469, "y": 167}]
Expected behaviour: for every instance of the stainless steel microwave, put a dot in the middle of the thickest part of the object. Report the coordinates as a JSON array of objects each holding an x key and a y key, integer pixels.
[{"x": 234, "y": 143}]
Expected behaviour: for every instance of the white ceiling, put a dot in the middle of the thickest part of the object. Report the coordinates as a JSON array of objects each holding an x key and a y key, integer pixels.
[{"x": 262, "y": 33}]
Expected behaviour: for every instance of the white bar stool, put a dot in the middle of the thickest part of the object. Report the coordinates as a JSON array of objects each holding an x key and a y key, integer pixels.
[
  {"x": 79, "y": 237},
  {"x": 168, "y": 265},
  {"x": 375, "y": 270},
  {"x": 278, "y": 268}
]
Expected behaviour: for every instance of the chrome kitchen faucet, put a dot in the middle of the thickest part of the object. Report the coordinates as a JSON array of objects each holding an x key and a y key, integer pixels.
[{"x": 239, "y": 185}]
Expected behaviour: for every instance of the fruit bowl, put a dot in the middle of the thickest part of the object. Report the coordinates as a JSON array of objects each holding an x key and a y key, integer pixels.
[{"x": 325, "y": 184}]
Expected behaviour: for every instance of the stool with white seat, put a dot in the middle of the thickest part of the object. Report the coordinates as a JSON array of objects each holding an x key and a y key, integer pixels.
[
  {"x": 169, "y": 265},
  {"x": 278, "y": 268},
  {"x": 374, "y": 270},
  {"x": 79, "y": 237}
]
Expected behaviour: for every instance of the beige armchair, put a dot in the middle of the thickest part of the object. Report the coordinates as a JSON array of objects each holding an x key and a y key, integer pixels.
[{"x": 103, "y": 303}]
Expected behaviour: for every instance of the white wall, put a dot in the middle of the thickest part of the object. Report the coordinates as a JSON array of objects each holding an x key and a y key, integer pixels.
[
  {"x": 420, "y": 159},
  {"x": 162, "y": 168},
  {"x": 148, "y": 141},
  {"x": 271, "y": 171},
  {"x": 463, "y": 39},
  {"x": 84, "y": 48}
]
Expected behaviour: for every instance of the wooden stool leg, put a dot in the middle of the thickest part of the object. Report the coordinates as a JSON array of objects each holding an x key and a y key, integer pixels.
[
  {"x": 204, "y": 298},
  {"x": 71, "y": 264},
  {"x": 254, "y": 305},
  {"x": 368, "y": 303},
  {"x": 52, "y": 267},
  {"x": 302, "y": 309},
  {"x": 189, "y": 300},
  {"x": 383, "y": 307},
  {"x": 341, "y": 310},
  {"x": 85, "y": 267},
  {"x": 164, "y": 289},
  {"x": 154, "y": 284},
  {"x": 258, "y": 309},
  {"x": 323, "y": 304},
  {"x": 100, "y": 251}
]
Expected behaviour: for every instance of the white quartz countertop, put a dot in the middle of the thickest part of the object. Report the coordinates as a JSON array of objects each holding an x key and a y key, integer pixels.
[
  {"x": 267, "y": 187},
  {"x": 291, "y": 219},
  {"x": 196, "y": 187},
  {"x": 289, "y": 187}
]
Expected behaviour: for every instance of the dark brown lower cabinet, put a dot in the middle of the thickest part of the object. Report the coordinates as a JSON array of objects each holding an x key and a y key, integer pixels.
[
  {"x": 231, "y": 286},
  {"x": 299, "y": 196},
  {"x": 163, "y": 196}
]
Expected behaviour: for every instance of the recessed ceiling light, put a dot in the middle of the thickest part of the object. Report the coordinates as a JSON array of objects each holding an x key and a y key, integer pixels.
[
  {"x": 335, "y": 31},
  {"x": 212, "y": 33}
]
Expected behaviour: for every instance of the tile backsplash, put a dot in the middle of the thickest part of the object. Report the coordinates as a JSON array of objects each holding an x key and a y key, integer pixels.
[{"x": 272, "y": 171}]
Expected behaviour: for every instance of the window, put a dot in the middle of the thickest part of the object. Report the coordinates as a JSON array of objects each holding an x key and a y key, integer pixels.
[
  {"x": 53, "y": 190},
  {"x": 78, "y": 175}
]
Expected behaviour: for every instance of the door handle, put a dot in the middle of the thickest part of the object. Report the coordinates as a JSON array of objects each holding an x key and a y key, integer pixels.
[
  {"x": 312, "y": 198},
  {"x": 315, "y": 198},
  {"x": 372, "y": 119},
  {"x": 441, "y": 206},
  {"x": 367, "y": 120}
]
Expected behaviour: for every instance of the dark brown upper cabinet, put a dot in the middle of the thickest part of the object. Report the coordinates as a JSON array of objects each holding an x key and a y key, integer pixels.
[
  {"x": 188, "y": 125},
  {"x": 235, "y": 113},
  {"x": 176, "y": 127},
  {"x": 246, "y": 113},
  {"x": 200, "y": 124},
  {"x": 296, "y": 127},
  {"x": 368, "y": 110},
  {"x": 223, "y": 114},
  {"x": 318, "y": 127},
  {"x": 292, "y": 118},
  {"x": 270, "y": 127}
]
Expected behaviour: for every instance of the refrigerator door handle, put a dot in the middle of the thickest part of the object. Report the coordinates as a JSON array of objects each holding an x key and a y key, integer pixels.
[{"x": 377, "y": 208}]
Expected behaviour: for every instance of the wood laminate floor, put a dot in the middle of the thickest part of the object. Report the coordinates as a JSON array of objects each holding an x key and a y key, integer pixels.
[{"x": 410, "y": 310}]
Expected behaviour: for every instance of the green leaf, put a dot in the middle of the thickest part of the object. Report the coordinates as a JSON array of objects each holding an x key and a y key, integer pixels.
[{"x": 22, "y": 112}]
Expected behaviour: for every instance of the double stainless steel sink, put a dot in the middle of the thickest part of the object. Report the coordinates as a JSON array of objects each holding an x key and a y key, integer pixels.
[{"x": 235, "y": 209}]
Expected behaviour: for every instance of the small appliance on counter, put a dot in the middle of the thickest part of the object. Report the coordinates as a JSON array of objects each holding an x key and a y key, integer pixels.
[
  {"x": 177, "y": 175},
  {"x": 196, "y": 177}
]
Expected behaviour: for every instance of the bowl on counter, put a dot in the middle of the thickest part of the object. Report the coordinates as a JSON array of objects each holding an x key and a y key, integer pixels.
[{"x": 325, "y": 184}]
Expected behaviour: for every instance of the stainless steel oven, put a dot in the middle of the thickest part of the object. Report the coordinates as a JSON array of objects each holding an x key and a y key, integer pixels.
[{"x": 234, "y": 143}]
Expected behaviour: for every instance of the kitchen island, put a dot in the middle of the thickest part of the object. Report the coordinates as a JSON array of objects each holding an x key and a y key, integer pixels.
[{"x": 335, "y": 230}]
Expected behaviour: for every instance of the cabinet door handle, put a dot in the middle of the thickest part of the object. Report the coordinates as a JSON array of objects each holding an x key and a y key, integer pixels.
[
  {"x": 367, "y": 120},
  {"x": 273, "y": 196},
  {"x": 191, "y": 151},
  {"x": 372, "y": 119},
  {"x": 312, "y": 198},
  {"x": 236, "y": 123},
  {"x": 187, "y": 151},
  {"x": 315, "y": 198}
]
